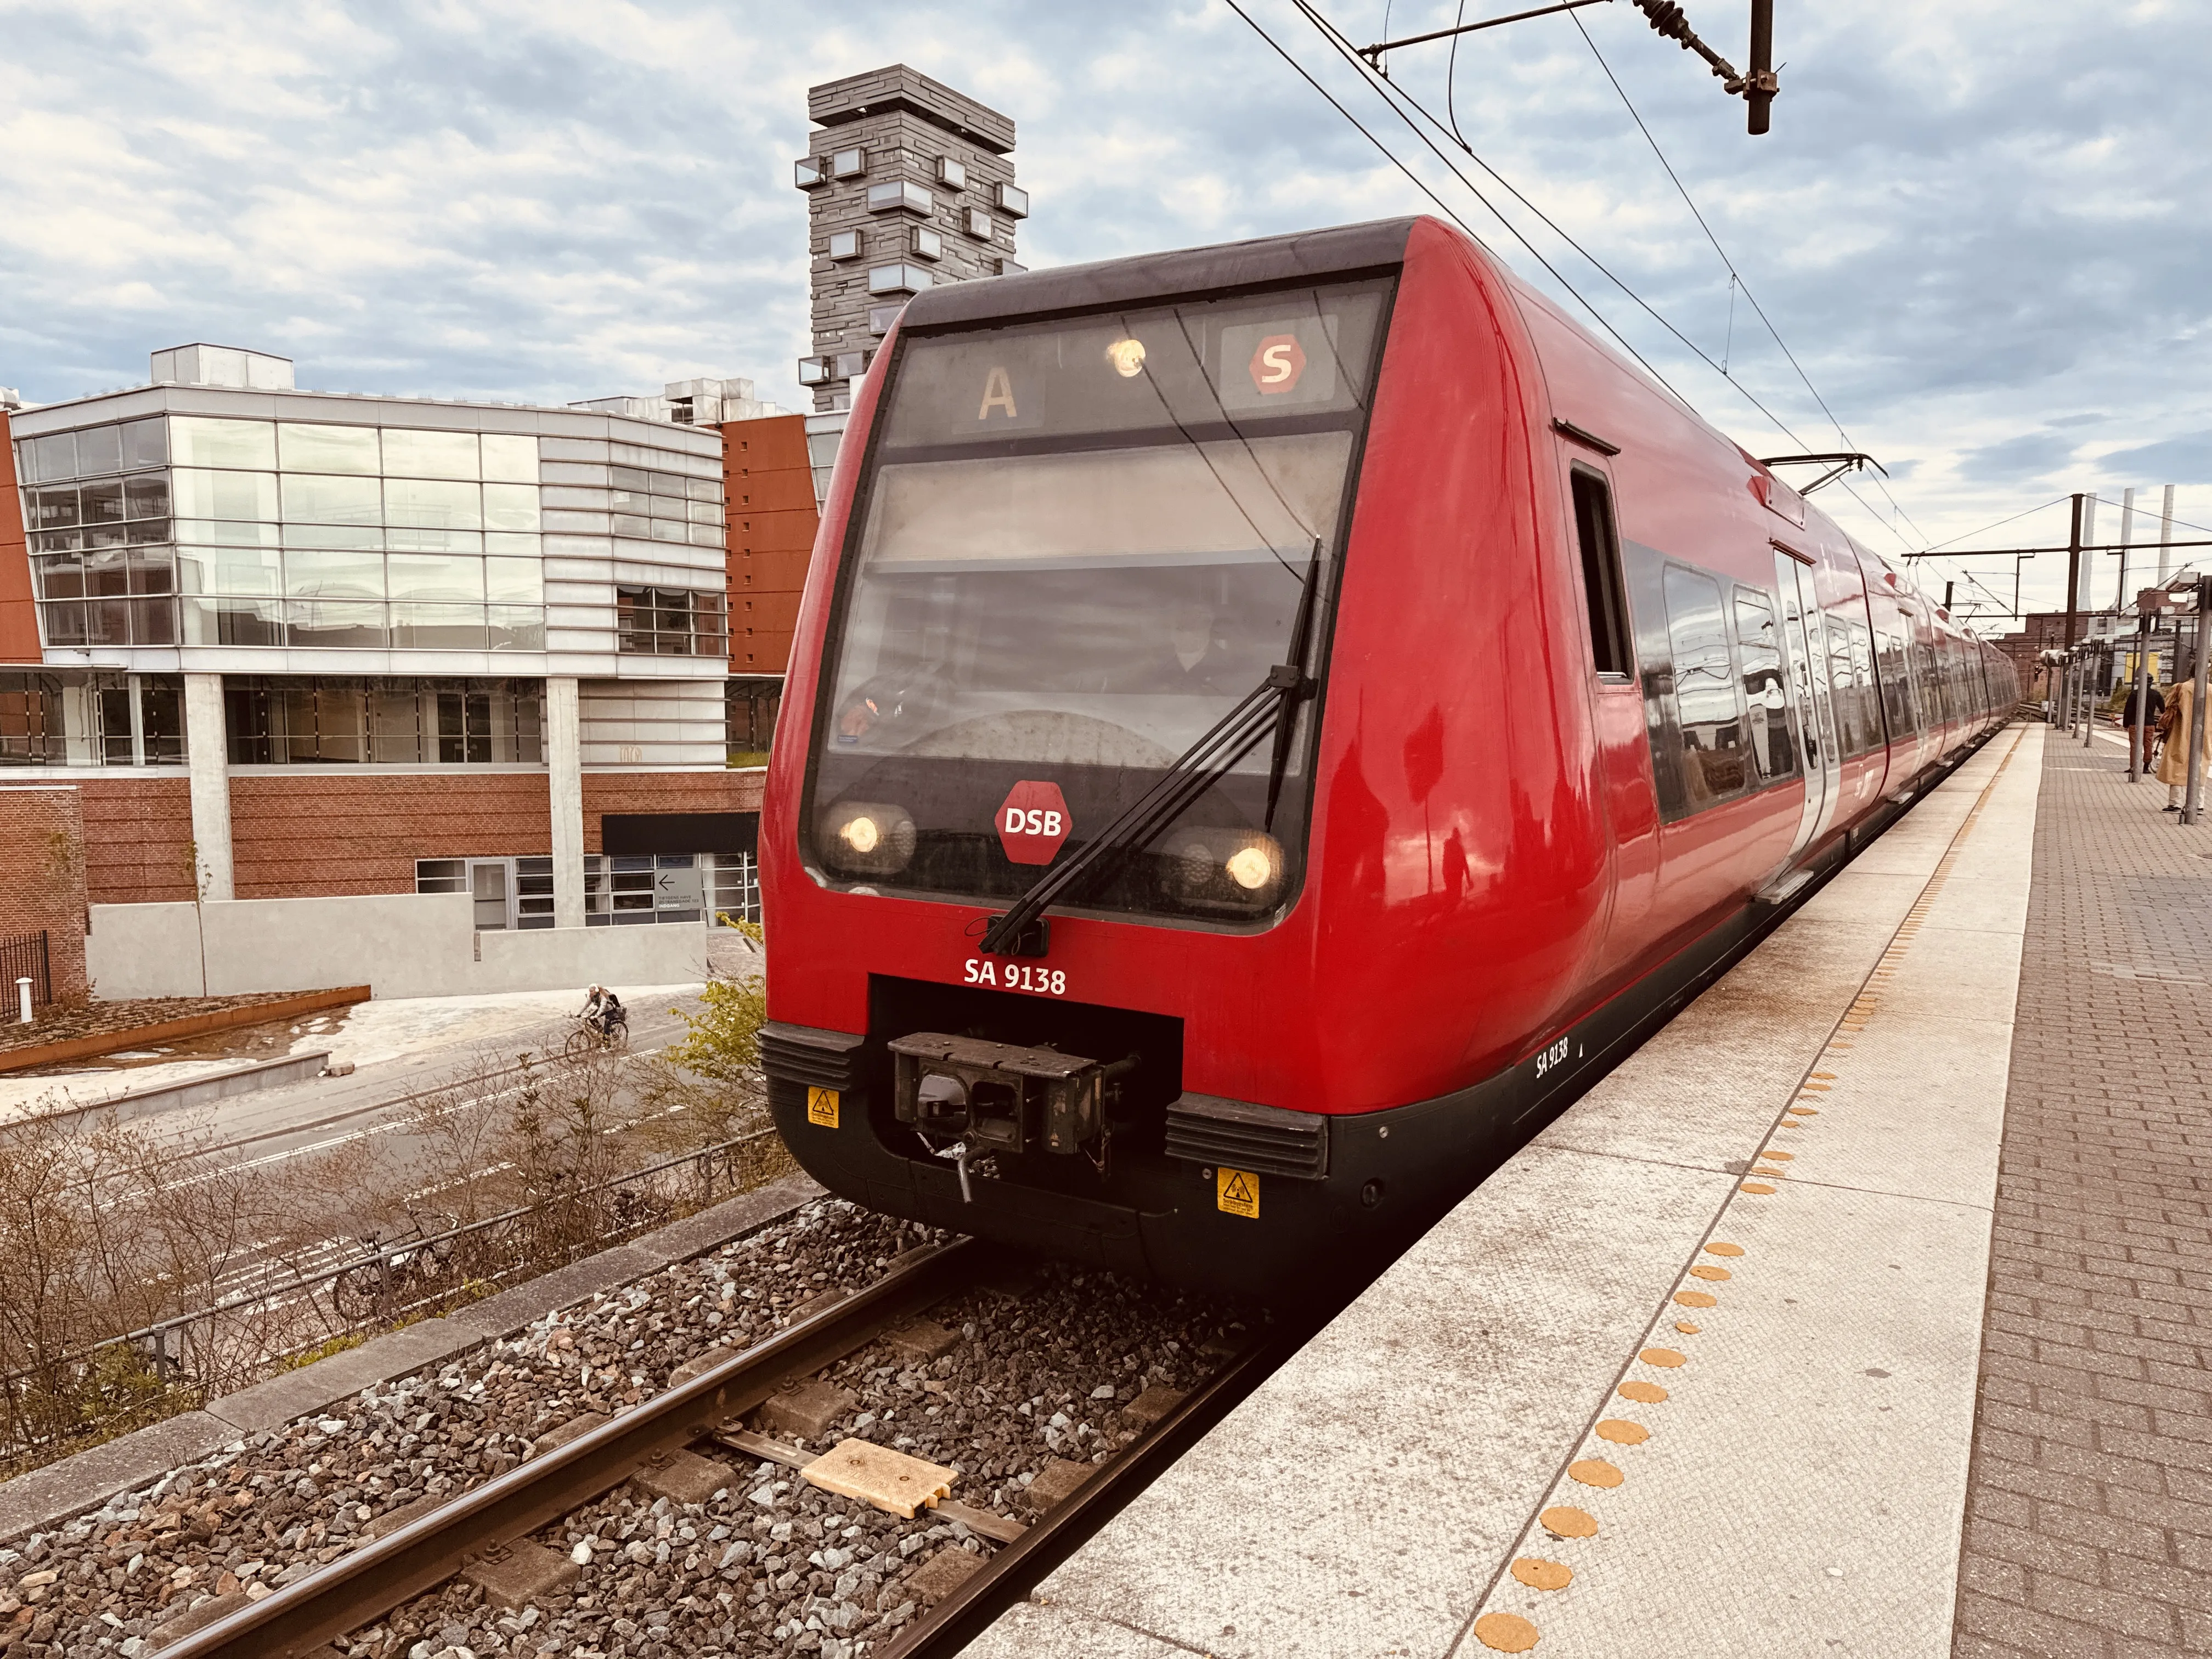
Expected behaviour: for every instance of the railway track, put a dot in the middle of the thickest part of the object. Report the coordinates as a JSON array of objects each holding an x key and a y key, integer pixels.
[{"x": 485, "y": 1534}]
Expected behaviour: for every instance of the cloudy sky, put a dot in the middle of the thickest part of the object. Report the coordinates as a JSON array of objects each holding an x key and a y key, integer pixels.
[{"x": 1981, "y": 227}]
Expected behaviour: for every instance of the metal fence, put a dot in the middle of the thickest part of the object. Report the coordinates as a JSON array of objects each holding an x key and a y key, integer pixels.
[
  {"x": 25, "y": 956},
  {"x": 178, "y": 1363}
]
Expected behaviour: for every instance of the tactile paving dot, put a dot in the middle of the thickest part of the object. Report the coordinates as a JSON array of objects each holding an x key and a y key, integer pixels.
[
  {"x": 1542, "y": 1575},
  {"x": 1697, "y": 1298},
  {"x": 1594, "y": 1472},
  {"x": 1665, "y": 1358},
  {"x": 1709, "y": 1273},
  {"x": 1722, "y": 1247},
  {"x": 1644, "y": 1393},
  {"x": 1622, "y": 1432},
  {"x": 1758, "y": 1187},
  {"x": 1506, "y": 1632},
  {"x": 1568, "y": 1523}
]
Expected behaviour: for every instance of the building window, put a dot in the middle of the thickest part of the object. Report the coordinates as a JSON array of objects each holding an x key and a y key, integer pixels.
[
  {"x": 880, "y": 318},
  {"x": 734, "y": 881},
  {"x": 979, "y": 224},
  {"x": 848, "y": 163},
  {"x": 1013, "y": 201},
  {"x": 672, "y": 622},
  {"x": 810, "y": 170},
  {"x": 92, "y": 720},
  {"x": 844, "y": 244},
  {"x": 926, "y": 244},
  {"x": 900, "y": 194},
  {"x": 897, "y": 279},
  {"x": 384, "y": 721},
  {"x": 751, "y": 706},
  {"x": 950, "y": 173}
]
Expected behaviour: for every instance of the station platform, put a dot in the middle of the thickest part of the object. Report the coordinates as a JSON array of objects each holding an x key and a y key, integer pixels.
[{"x": 1697, "y": 1371}]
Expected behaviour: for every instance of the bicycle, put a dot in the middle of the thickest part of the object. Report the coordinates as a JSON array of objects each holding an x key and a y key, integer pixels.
[
  {"x": 400, "y": 1276},
  {"x": 596, "y": 1033}
]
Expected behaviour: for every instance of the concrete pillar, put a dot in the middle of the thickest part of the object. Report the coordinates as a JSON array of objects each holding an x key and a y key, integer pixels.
[
  {"x": 564, "y": 768},
  {"x": 208, "y": 749}
]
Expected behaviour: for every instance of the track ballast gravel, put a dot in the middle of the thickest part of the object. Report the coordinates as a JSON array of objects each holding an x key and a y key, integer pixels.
[{"x": 770, "y": 1566}]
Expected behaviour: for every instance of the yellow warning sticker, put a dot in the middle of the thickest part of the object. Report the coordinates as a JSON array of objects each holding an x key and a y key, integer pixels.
[
  {"x": 1238, "y": 1191},
  {"x": 822, "y": 1108}
]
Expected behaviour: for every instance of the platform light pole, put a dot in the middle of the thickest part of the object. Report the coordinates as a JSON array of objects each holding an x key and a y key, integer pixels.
[
  {"x": 2190, "y": 799},
  {"x": 2074, "y": 574}
]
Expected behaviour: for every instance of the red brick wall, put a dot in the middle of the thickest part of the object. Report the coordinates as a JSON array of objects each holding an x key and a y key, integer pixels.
[
  {"x": 666, "y": 792},
  {"x": 325, "y": 833},
  {"x": 137, "y": 839},
  {"x": 769, "y": 490},
  {"x": 42, "y": 882},
  {"x": 19, "y": 620}
]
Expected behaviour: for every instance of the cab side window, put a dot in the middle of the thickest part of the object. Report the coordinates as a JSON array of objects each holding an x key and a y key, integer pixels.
[
  {"x": 1600, "y": 544},
  {"x": 1715, "y": 760}
]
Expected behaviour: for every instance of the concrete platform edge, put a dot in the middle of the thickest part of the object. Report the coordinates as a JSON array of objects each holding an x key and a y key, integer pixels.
[{"x": 45, "y": 1497}]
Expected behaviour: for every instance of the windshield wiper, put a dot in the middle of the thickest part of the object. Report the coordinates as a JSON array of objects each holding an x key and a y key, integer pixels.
[{"x": 1271, "y": 706}]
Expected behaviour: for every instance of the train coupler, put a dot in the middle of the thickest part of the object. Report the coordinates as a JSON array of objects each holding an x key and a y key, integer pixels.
[{"x": 999, "y": 1097}]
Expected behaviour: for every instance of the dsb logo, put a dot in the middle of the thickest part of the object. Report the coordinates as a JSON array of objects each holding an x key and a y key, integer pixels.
[{"x": 1033, "y": 823}]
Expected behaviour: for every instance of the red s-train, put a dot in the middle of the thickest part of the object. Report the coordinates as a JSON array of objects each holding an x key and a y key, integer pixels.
[{"x": 1268, "y": 722}]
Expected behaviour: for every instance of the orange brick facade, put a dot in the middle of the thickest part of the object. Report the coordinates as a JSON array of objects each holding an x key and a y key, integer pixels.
[
  {"x": 768, "y": 487},
  {"x": 42, "y": 880},
  {"x": 19, "y": 616},
  {"x": 139, "y": 839}
]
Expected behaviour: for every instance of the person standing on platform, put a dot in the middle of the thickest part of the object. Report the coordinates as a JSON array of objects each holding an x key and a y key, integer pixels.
[
  {"x": 2173, "y": 759},
  {"x": 2154, "y": 700}
]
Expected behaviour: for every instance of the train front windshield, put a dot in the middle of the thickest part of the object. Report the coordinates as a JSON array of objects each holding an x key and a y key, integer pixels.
[{"x": 1079, "y": 545}]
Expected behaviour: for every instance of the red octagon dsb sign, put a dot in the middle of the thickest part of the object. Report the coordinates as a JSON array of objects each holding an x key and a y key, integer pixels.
[
  {"x": 1033, "y": 823},
  {"x": 1277, "y": 363}
]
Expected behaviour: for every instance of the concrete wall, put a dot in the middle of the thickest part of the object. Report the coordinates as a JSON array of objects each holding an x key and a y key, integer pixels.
[{"x": 401, "y": 944}]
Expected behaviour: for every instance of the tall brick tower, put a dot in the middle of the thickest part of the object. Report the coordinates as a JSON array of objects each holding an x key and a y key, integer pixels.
[{"x": 911, "y": 185}]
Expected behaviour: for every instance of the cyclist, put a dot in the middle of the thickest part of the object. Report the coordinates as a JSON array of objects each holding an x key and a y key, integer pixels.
[{"x": 603, "y": 1010}]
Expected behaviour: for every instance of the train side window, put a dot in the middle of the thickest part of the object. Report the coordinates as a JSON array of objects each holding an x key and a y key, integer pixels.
[
  {"x": 1716, "y": 760},
  {"x": 1600, "y": 542},
  {"x": 1765, "y": 695}
]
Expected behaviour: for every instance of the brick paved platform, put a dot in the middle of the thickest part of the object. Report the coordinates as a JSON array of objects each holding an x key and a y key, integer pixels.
[{"x": 2089, "y": 1510}]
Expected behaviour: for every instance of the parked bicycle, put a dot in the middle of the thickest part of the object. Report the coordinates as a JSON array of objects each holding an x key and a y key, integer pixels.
[{"x": 419, "y": 1262}]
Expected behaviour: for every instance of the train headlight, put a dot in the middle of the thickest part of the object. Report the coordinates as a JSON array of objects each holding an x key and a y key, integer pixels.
[
  {"x": 867, "y": 838},
  {"x": 1127, "y": 356},
  {"x": 1254, "y": 866}
]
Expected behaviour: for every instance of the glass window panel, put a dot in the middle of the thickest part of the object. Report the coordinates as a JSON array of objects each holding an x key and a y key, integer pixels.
[
  {"x": 161, "y": 717},
  {"x": 430, "y": 454},
  {"x": 202, "y": 494},
  {"x": 234, "y": 622},
  {"x": 153, "y": 572},
  {"x": 434, "y": 541},
  {"x": 629, "y": 525},
  {"x": 145, "y": 443},
  {"x": 56, "y": 541},
  {"x": 106, "y": 535},
  {"x": 667, "y": 506},
  {"x": 702, "y": 489},
  {"x": 366, "y": 537},
  {"x": 510, "y": 458},
  {"x": 61, "y": 576},
  {"x": 106, "y": 573},
  {"x": 704, "y": 535},
  {"x": 517, "y": 627},
  {"x": 341, "y": 721},
  {"x": 441, "y": 875},
  {"x": 510, "y": 506},
  {"x": 327, "y": 448},
  {"x": 516, "y": 582},
  {"x": 669, "y": 530},
  {"x": 1713, "y": 757},
  {"x": 108, "y": 621},
  {"x": 53, "y": 507},
  {"x": 197, "y": 440},
  {"x": 243, "y": 570},
  {"x": 332, "y": 574},
  {"x": 146, "y": 497},
  {"x": 102, "y": 502},
  {"x": 1773, "y": 741},
  {"x": 65, "y": 623},
  {"x": 144, "y": 533},
  {"x": 396, "y": 727},
  {"x": 153, "y": 622},
  {"x": 436, "y": 577},
  {"x": 625, "y": 477},
  {"x": 514, "y": 547},
  {"x": 213, "y": 532},
  {"x": 320, "y": 498},
  {"x": 435, "y": 506},
  {"x": 666, "y": 483},
  {"x": 704, "y": 513},
  {"x": 438, "y": 627},
  {"x": 52, "y": 457},
  {"x": 335, "y": 622},
  {"x": 99, "y": 449}
]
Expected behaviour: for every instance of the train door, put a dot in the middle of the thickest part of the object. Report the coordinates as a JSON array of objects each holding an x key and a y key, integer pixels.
[{"x": 1807, "y": 647}]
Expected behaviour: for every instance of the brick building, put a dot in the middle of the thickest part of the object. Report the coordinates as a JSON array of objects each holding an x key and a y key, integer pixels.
[
  {"x": 303, "y": 644},
  {"x": 42, "y": 891}
]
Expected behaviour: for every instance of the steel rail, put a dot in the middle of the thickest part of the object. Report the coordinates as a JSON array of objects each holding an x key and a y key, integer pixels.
[
  {"x": 359, "y": 1588},
  {"x": 1014, "y": 1571}
]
